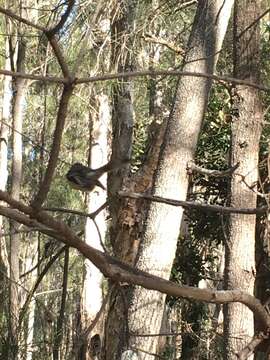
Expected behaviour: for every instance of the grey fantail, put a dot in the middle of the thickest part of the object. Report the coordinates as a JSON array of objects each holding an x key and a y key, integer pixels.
[{"x": 84, "y": 178}]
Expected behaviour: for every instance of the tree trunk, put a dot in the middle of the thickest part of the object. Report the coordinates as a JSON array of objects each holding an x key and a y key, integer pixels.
[
  {"x": 19, "y": 88},
  {"x": 246, "y": 132},
  {"x": 95, "y": 233},
  {"x": 122, "y": 27},
  {"x": 59, "y": 328},
  {"x": 6, "y": 107},
  {"x": 163, "y": 222},
  {"x": 144, "y": 308}
]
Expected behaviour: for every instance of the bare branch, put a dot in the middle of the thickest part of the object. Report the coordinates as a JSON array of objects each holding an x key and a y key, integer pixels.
[
  {"x": 154, "y": 73},
  {"x": 49, "y": 79},
  {"x": 195, "y": 205},
  {"x": 60, "y": 58},
  {"x": 38, "y": 281},
  {"x": 151, "y": 38},
  {"x": 76, "y": 212},
  {"x": 48, "y": 33},
  {"x": 123, "y": 75},
  {"x": 215, "y": 173},
  {"x": 57, "y": 137},
  {"x": 21, "y": 19},
  {"x": 53, "y": 31},
  {"x": 253, "y": 23}
]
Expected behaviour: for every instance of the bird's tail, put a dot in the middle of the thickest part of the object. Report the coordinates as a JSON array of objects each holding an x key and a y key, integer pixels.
[{"x": 112, "y": 165}]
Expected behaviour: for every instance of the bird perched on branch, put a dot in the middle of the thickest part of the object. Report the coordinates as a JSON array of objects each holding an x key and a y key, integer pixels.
[{"x": 83, "y": 178}]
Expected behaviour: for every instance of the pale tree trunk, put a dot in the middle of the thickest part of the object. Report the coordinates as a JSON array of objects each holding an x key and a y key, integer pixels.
[
  {"x": 246, "y": 131},
  {"x": 4, "y": 263},
  {"x": 163, "y": 222},
  {"x": 6, "y": 107},
  {"x": 95, "y": 231},
  {"x": 19, "y": 87}
]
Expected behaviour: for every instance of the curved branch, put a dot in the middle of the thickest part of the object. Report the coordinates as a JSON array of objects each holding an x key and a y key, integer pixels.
[
  {"x": 215, "y": 173},
  {"x": 123, "y": 273}
]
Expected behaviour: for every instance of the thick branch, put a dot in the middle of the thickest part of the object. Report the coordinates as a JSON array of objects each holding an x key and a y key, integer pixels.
[
  {"x": 122, "y": 273},
  {"x": 60, "y": 58},
  {"x": 195, "y": 205}
]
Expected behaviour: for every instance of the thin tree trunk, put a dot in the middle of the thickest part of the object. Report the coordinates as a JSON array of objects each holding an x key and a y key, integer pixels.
[
  {"x": 4, "y": 132},
  {"x": 58, "y": 336},
  {"x": 95, "y": 232},
  {"x": 19, "y": 87},
  {"x": 246, "y": 132},
  {"x": 163, "y": 221}
]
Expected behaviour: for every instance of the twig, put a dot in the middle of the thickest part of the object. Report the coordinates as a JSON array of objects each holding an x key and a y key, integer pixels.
[
  {"x": 50, "y": 79},
  {"x": 215, "y": 173},
  {"x": 76, "y": 212},
  {"x": 155, "y": 40},
  {"x": 253, "y": 23},
  {"x": 38, "y": 281}
]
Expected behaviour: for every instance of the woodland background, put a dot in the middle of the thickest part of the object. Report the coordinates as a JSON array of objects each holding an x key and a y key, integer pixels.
[{"x": 172, "y": 261}]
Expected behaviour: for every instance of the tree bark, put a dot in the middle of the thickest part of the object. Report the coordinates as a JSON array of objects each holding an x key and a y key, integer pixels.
[
  {"x": 19, "y": 89},
  {"x": 59, "y": 328},
  {"x": 163, "y": 222},
  {"x": 144, "y": 308},
  {"x": 6, "y": 108},
  {"x": 95, "y": 233},
  {"x": 246, "y": 132}
]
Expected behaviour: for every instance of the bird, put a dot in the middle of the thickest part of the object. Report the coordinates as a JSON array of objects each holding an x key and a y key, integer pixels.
[{"x": 84, "y": 178}]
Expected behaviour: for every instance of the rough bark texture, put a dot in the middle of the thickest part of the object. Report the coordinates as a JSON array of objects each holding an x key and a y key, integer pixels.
[
  {"x": 246, "y": 132},
  {"x": 122, "y": 28},
  {"x": 163, "y": 222},
  {"x": 143, "y": 309}
]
